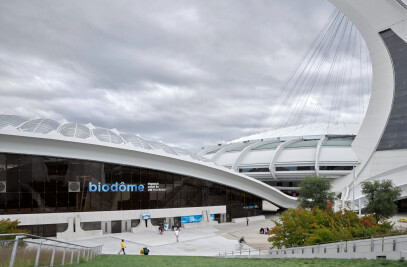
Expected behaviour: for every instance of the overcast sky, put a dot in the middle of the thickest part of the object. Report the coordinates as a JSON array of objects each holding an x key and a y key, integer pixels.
[{"x": 188, "y": 73}]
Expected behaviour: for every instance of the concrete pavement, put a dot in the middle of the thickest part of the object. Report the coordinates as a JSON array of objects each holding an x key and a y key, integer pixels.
[{"x": 202, "y": 241}]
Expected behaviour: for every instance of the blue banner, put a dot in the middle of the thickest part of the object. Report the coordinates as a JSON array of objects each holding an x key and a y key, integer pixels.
[{"x": 194, "y": 218}]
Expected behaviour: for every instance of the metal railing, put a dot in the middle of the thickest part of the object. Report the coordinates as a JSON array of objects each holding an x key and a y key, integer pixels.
[
  {"x": 32, "y": 250},
  {"x": 390, "y": 246}
]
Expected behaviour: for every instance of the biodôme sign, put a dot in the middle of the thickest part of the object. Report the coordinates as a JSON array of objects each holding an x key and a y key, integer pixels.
[{"x": 116, "y": 187}]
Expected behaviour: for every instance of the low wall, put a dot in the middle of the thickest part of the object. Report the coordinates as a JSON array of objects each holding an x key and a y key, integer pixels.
[
  {"x": 391, "y": 247},
  {"x": 251, "y": 219}
]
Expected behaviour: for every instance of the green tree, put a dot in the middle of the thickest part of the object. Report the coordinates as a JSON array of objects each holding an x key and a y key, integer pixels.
[
  {"x": 381, "y": 197},
  {"x": 315, "y": 192},
  {"x": 8, "y": 226}
]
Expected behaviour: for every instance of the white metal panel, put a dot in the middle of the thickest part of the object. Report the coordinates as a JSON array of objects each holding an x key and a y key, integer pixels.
[
  {"x": 256, "y": 157},
  {"x": 227, "y": 158},
  {"x": 337, "y": 154},
  {"x": 297, "y": 155}
]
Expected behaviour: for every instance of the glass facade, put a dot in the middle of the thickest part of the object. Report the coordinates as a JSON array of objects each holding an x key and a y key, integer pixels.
[
  {"x": 395, "y": 133},
  {"x": 254, "y": 170},
  {"x": 36, "y": 184},
  {"x": 335, "y": 168},
  {"x": 295, "y": 168}
]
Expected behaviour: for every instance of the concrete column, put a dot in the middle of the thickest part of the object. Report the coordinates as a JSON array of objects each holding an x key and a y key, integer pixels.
[
  {"x": 107, "y": 227},
  {"x": 124, "y": 228},
  {"x": 222, "y": 217}
]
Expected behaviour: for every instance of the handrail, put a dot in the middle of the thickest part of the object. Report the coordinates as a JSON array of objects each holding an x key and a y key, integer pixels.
[
  {"x": 90, "y": 252},
  {"x": 45, "y": 238},
  {"x": 236, "y": 252}
]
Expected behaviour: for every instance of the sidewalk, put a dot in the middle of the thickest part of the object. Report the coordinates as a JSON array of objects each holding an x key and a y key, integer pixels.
[{"x": 203, "y": 241}]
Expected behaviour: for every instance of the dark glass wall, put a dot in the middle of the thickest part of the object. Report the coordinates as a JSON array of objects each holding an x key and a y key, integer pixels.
[
  {"x": 40, "y": 185},
  {"x": 395, "y": 134}
]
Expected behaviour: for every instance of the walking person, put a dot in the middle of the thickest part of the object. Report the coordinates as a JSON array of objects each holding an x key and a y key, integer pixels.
[
  {"x": 247, "y": 221},
  {"x": 122, "y": 247},
  {"x": 177, "y": 234}
]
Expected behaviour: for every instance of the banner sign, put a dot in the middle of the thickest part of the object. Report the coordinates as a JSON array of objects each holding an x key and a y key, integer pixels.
[
  {"x": 250, "y": 207},
  {"x": 194, "y": 218},
  {"x": 146, "y": 216}
]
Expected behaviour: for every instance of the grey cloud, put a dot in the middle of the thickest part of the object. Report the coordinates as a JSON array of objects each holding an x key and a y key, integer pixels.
[{"x": 184, "y": 72}]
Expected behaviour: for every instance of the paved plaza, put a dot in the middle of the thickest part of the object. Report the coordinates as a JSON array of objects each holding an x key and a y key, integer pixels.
[{"x": 199, "y": 241}]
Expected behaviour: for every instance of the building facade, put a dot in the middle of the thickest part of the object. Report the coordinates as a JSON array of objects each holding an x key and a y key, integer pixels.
[{"x": 54, "y": 175}]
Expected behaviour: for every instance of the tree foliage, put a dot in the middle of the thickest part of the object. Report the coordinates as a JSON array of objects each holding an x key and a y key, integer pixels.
[
  {"x": 8, "y": 226},
  {"x": 298, "y": 227},
  {"x": 314, "y": 192},
  {"x": 381, "y": 197}
]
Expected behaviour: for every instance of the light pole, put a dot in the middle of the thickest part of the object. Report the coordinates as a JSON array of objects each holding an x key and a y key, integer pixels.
[{"x": 353, "y": 189}]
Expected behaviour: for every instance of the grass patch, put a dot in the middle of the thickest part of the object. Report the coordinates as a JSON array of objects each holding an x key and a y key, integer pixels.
[{"x": 132, "y": 260}]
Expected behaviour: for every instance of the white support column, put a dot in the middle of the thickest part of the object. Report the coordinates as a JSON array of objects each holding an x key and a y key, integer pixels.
[
  {"x": 318, "y": 153},
  {"x": 279, "y": 150},
  {"x": 223, "y": 150},
  {"x": 244, "y": 152}
]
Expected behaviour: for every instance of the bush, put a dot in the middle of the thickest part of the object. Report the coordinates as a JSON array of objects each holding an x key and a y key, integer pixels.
[
  {"x": 298, "y": 227},
  {"x": 8, "y": 226}
]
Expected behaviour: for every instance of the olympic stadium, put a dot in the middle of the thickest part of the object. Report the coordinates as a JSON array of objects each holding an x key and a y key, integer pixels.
[{"x": 48, "y": 165}]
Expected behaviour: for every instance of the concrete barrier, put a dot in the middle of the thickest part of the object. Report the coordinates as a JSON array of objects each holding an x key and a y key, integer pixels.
[{"x": 251, "y": 219}]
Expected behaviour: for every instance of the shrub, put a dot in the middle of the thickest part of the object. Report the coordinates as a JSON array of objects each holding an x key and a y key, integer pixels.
[
  {"x": 8, "y": 226},
  {"x": 298, "y": 227}
]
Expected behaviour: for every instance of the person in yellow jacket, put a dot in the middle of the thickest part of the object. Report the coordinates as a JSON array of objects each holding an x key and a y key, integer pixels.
[{"x": 122, "y": 247}]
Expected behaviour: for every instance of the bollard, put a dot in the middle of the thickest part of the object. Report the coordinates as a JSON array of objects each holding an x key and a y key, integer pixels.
[
  {"x": 259, "y": 250},
  {"x": 37, "y": 258},
  {"x": 52, "y": 257},
  {"x": 394, "y": 244}
]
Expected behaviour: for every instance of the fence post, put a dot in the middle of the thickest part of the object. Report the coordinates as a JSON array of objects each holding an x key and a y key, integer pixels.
[
  {"x": 383, "y": 243},
  {"x": 371, "y": 244},
  {"x": 63, "y": 255},
  {"x": 259, "y": 251},
  {"x": 84, "y": 251},
  {"x": 394, "y": 244},
  {"x": 53, "y": 256},
  {"x": 79, "y": 254},
  {"x": 37, "y": 258},
  {"x": 14, "y": 253},
  {"x": 87, "y": 258},
  {"x": 72, "y": 256}
]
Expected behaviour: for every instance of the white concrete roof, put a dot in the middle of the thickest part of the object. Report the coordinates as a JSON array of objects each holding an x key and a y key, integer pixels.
[{"x": 71, "y": 131}]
